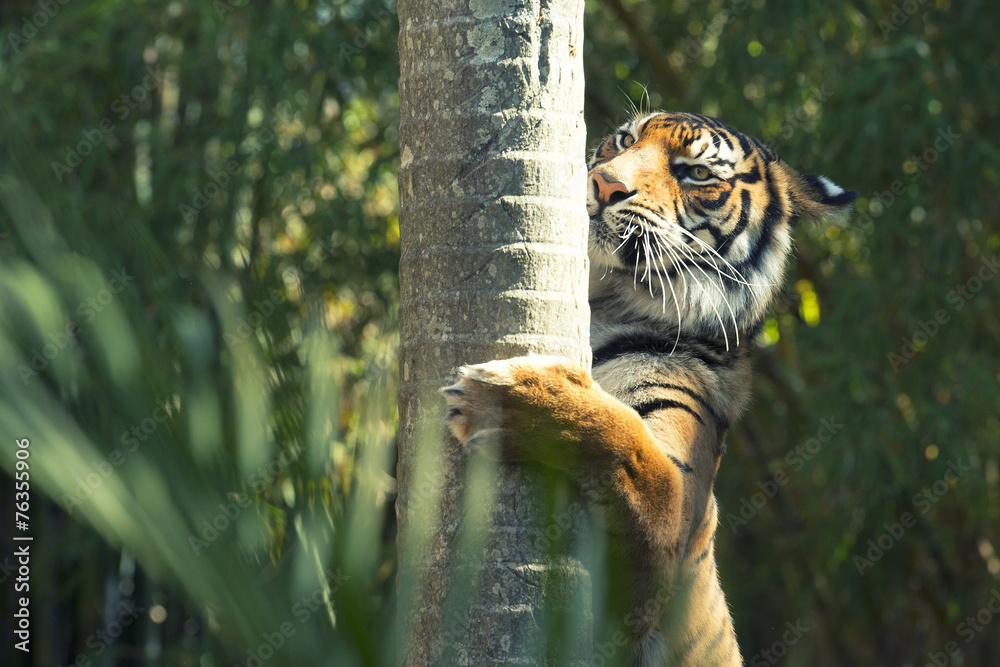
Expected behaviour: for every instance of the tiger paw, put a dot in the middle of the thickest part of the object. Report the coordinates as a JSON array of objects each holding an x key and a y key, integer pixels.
[
  {"x": 473, "y": 404},
  {"x": 507, "y": 410}
]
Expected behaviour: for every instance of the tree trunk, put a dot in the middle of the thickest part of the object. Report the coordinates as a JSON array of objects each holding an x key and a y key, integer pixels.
[{"x": 493, "y": 233}]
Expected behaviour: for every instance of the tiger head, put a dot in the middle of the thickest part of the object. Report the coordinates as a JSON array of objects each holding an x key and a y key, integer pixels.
[{"x": 698, "y": 218}]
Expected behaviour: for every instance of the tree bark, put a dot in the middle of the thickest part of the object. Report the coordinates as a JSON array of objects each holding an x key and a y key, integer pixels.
[{"x": 493, "y": 236}]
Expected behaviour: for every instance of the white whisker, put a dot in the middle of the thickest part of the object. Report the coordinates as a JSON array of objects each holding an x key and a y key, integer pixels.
[
  {"x": 667, "y": 243},
  {"x": 717, "y": 315},
  {"x": 647, "y": 275},
  {"x": 675, "y": 260},
  {"x": 677, "y": 305},
  {"x": 742, "y": 279},
  {"x": 625, "y": 236},
  {"x": 721, "y": 289},
  {"x": 635, "y": 274}
]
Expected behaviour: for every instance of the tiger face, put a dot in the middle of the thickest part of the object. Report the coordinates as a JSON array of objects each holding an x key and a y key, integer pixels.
[{"x": 698, "y": 217}]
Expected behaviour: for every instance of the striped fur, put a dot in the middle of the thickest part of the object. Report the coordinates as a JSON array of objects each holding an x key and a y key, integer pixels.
[{"x": 690, "y": 231}]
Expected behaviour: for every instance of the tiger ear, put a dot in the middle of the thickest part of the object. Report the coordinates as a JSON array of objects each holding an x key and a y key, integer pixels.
[{"x": 816, "y": 197}]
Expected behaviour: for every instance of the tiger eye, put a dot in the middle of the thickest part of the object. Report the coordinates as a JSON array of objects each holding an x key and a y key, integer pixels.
[{"x": 700, "y": 173}]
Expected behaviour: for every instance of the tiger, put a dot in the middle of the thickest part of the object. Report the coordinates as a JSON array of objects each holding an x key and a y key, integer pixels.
[{"x": 691, "y": 226}]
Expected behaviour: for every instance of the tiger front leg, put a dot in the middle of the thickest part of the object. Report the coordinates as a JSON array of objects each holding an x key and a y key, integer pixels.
[
  {"x": 510, "y": 410},
  {"x": 549, "y": 410}
]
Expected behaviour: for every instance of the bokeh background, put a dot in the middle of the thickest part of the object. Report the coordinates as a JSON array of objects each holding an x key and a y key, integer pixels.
[{"x": 198, "y": 251}]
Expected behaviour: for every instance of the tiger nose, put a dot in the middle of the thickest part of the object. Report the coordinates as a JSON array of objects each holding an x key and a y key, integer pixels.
[{"x": 608, "y": 191}]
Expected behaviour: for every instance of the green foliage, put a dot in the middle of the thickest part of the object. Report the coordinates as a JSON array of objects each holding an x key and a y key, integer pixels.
[
  {"x": 198, "y": 242},
  {"x": 198, "y": 293}
]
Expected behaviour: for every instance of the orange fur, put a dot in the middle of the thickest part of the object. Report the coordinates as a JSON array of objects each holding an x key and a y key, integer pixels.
[{"x": 685, "y": 202}]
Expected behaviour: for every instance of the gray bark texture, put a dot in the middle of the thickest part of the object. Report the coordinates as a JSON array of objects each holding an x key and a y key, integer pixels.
[{"x": 493, "y": 234}]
